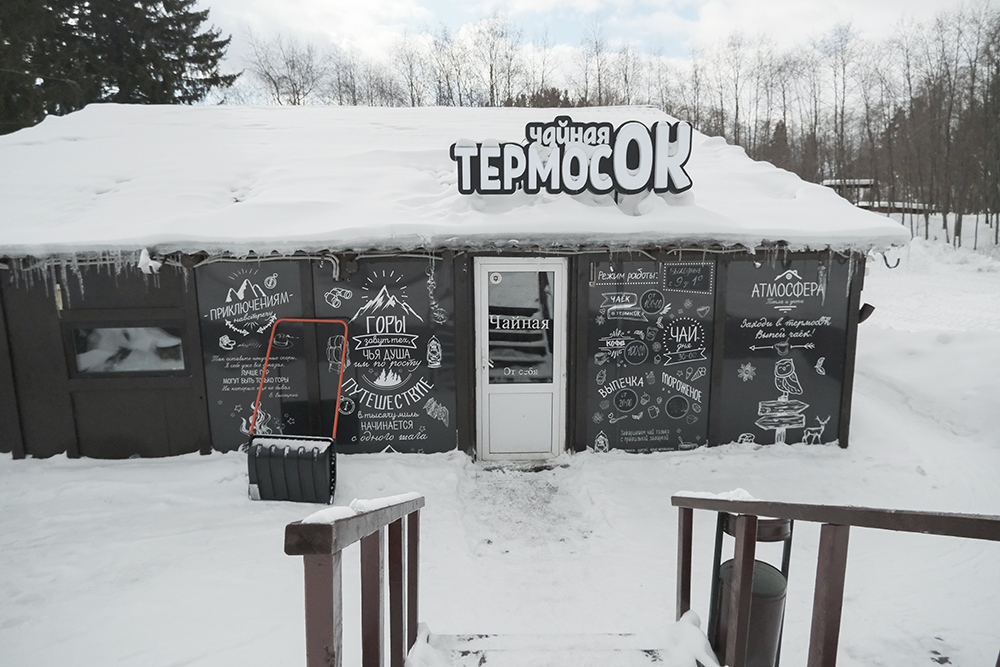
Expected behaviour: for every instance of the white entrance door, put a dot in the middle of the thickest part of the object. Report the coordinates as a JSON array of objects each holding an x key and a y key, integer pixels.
[{"x": 521, "y": 357}]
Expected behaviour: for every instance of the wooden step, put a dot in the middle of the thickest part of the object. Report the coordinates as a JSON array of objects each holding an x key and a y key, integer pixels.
[{"x": 615, "y": 650}]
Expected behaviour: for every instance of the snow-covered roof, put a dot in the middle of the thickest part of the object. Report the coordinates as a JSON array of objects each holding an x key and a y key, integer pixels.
[{"x": 246, "y": 179}]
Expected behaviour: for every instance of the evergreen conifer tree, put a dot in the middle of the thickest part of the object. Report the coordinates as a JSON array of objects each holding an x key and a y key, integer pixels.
[{"x": 57, "y": 56}]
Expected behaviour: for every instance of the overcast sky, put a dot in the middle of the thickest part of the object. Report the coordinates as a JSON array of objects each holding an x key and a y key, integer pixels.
[{"x": 669, "y": 27}]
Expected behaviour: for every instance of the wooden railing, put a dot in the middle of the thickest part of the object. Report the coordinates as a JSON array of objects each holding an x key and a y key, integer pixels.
[
  {"x": 828, "y": 597},
  {"x": 321, "y": 538}
]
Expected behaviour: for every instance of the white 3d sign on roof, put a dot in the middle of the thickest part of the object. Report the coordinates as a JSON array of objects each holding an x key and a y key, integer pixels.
[{"x": 564, "y": 156}]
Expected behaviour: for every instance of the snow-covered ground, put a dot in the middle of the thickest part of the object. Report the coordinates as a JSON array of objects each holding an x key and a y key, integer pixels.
[{"x": 165, "y": 562}]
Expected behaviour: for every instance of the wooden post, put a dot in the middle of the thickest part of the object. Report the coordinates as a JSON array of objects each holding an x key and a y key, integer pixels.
[
  {"x": 397, "y": 631},
  {"x": 324, "y": 610},
  {"x": 412, "y": 571},
  {"x": 372, "y": 599},
  {"x": 685, "y": 531},
  {"x": 715, "y": 596},
  {"x": 829, "y": 597},
  {"x": 738, "y": 632}
]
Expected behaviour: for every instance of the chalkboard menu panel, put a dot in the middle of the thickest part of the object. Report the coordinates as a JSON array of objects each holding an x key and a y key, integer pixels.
[
  {"x": 237, "y": 304},
  {"x": 649, "y": 348},
  {"x": 785, "y": 350},
  {"x": 399, "y": 379}
]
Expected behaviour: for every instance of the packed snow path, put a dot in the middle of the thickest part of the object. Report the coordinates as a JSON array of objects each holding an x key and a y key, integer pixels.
[{"x": 165, "y": 562}]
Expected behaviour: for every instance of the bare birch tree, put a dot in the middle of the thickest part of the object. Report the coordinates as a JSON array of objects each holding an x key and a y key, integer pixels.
[{"x": 289, "y": 72}]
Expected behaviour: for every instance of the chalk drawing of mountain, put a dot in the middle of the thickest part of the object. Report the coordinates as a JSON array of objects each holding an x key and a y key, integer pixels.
[
  {"x": 384, "y": 301},
  {"x": 388, "y": 380},
  {"x": 239, "y": 293}
]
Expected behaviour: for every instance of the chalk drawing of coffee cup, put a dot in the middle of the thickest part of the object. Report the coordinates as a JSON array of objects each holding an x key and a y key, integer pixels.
[{"x": 782, "y": 347}]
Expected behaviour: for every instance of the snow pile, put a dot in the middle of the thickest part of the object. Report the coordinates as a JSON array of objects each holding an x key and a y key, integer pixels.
[
  {"x": 424, "y": 654},
  {"x": 241, "y": 179},
  {"x": 735, "y": 494},
  {"x": 358, "y": 506},
  {"x": 689, "y": 643}
]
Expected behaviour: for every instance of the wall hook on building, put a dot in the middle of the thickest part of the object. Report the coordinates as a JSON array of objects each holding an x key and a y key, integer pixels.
[{"x": 885, "y": 258}]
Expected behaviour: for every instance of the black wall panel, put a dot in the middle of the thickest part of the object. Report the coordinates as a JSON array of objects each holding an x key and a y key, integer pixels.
[
  {"x": 120, "y": 423},
  {"x": 40, "y": 371},
  {"x": 238, "y": 302},
  {"x": 11, "y": 441},
  {"x": 111, "y": 410},
  {"x": 105, "y": 287},
  {"x": 399, "y": 387},
  {"x": 649, "y": 352},
  {"x": 786, "y": 349}
]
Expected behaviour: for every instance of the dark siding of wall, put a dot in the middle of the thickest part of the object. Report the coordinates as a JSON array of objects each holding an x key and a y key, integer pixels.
[
  {"x": 465, "y": 355},
  {"x": 40, "y": 373},
  {"x": 11, "y": 441},
  {"x": 114, "y": 415},
  {"x": 853, "y": 312}
]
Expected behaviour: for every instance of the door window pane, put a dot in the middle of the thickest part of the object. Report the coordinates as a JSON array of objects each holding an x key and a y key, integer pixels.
[
  {"x": 520, "y": 326},
  {"x": 128, "y": 349}
]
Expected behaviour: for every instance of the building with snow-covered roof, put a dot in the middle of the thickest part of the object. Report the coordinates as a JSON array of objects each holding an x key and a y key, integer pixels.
[{"x": 516, "y": 282}]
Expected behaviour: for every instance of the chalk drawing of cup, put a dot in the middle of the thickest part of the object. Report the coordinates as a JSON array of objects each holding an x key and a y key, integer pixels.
[
  {"x": 227, "y": 343},
  {"x": 782, "y": 347}
]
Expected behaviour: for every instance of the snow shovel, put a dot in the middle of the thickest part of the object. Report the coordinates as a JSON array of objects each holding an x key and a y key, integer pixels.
[{"x": 299, "y": 468}]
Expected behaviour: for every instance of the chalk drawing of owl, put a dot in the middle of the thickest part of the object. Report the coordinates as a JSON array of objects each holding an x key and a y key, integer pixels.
[{"x": 785, "y": 378}]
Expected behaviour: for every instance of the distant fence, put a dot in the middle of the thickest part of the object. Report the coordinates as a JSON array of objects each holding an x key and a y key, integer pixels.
[
  {"x": 320, "y": 543},
  {"x": 828, "y": 596}
]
